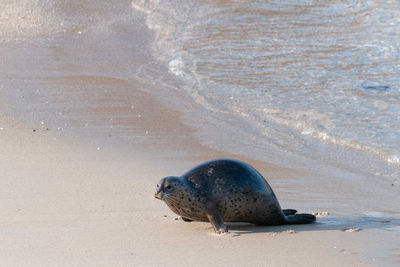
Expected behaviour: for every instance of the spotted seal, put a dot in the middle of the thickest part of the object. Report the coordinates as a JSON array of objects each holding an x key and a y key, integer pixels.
[{"x": 225, "y": 190}]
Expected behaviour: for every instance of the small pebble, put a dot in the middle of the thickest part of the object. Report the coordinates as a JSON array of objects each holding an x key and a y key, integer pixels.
[
  {"x": 352, "y": 230},
  {"x": 98, "y": 148},
  {"x": 321, "y": 214},
  {"x": 34, "y": 130}
]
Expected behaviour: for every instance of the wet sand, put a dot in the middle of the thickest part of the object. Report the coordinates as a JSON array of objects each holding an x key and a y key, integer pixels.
[{"x": 67, "y": 201}]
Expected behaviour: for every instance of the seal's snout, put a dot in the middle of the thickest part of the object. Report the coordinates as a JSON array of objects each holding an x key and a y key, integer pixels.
[
  {"x": 159, "y": 193},
  {"x": 166, "y": 187}
]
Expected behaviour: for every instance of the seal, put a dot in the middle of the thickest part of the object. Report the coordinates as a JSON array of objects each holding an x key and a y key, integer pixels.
[{"x": 225, "y": 190}]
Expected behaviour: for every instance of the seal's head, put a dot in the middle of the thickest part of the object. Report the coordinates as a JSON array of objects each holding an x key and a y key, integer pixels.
[{"x": 170, "y": 187}]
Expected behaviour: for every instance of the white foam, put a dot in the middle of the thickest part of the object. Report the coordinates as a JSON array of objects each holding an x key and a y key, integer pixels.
[
  {"x": 176, "y": 66},
  {"x": 394, "y": 160},
  {"x": 140, "y": 8},
  {"x": 159, "y": 23}
]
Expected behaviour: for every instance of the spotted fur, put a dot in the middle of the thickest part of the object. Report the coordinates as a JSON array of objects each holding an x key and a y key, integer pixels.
[{"x": 225, "y": 190}]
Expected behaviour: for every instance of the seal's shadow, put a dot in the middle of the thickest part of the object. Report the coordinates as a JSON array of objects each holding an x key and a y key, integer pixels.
[{"x": 351, "y": 224}]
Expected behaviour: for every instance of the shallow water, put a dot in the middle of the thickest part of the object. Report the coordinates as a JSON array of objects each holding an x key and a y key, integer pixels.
[{"x": 299, "y": 72}]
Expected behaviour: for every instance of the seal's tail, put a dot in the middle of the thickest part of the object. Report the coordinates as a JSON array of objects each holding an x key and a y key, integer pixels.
[{"x": 300, "y": 218}]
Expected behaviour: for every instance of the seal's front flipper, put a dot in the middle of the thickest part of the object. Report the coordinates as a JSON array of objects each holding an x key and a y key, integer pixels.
[
  {"x": 289, "y": 212},
  {"x": 218, "y": 223},
  {"x": 186, "y": 219},
  {"x": 300, "y": 219}
]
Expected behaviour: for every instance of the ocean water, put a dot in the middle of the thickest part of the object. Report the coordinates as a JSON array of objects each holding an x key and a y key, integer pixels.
[
  {"x": 308, "y": 77},
  {"x": 312, "y": 81}
]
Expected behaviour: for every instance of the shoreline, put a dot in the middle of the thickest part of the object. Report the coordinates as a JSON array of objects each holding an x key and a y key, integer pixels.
[{"x": 238, "y": 124}]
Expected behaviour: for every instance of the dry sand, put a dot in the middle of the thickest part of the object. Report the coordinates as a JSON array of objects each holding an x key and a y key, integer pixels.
[{"x": 65, "y": 202}]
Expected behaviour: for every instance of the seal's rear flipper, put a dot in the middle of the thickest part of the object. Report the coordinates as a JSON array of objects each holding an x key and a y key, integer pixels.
[
  {"x": 300, "y": 219},
  {"x": 289, "y": 212}
]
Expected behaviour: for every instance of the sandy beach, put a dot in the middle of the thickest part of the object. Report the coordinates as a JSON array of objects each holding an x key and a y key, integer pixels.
[
  {"x": 65, "y": 202},
  {"x": 90, "y": 121}
]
